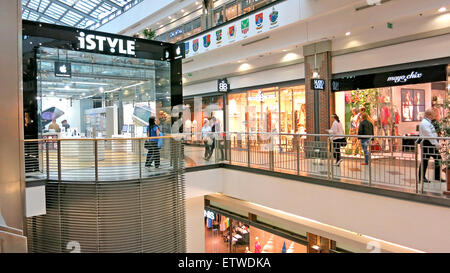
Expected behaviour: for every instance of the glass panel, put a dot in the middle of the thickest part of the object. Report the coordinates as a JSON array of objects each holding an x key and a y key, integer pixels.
[{"x": 100, "y": 94}]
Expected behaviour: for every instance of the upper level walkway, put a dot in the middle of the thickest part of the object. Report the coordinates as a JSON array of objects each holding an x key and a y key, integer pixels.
[{"x": 394, "y": 163}]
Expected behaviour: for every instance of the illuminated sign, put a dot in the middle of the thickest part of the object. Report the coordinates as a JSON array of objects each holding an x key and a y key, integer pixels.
[
  {"x": 261, "y": 96},
  {"x": 209, "y": 214},
  {"x": 63, "y": 69},
  {"x": 223, "y": 85},
  {"x": 318, "y": 84},
  {"x": 102, "y": 44},
  {"x": 405, "y": 78}
]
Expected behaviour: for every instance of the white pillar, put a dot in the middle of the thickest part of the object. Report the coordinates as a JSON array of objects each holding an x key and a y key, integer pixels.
[
  {"x": 195, "y": 225},
  {"x": 12, "y": 175}
]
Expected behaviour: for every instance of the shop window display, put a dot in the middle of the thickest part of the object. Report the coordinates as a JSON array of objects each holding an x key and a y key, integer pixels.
[
  {"x": 102, "y": 94},
  {"x": 394, "y": 111},
  {"x": 199, "y": 108},
  {"x": 227, "y": 235},
  {"x": 273, "y": 110}
]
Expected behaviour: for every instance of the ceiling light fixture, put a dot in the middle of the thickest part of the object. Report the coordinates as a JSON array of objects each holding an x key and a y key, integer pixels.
[
  {"x": 348, "y": 33},
  {"x": 443, "y": 9}
]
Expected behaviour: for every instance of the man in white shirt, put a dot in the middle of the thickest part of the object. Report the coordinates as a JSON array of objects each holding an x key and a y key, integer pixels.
[{"x": 430, "y": 147}]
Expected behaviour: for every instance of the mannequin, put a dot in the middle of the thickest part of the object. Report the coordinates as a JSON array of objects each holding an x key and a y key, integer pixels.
[{"x": 257, "y": 245}]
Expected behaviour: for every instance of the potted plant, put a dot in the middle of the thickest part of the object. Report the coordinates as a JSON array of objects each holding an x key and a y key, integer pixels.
[
  {"x": 443, "y": 127},
  {"x": 149, "y": 34}
]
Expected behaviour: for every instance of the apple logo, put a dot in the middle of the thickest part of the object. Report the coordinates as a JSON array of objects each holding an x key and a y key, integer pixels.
[
  {"x": 63, "y": 68},
  {"x": 178, "y": 51},
  {"x": 167, "y": 54}
]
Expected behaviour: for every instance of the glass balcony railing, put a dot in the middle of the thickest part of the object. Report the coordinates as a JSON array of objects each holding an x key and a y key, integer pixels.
[{"x": 406, "y": 164}]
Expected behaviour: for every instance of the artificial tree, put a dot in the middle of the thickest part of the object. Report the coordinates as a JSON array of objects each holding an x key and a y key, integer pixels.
[{"x": 443, "y": 127}]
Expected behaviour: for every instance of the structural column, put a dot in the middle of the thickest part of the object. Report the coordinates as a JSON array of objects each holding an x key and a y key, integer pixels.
[
  {"x": 319, "y": 104},
  {"x": 207, "y": 14},
  {"x": 12, "y": 174}
]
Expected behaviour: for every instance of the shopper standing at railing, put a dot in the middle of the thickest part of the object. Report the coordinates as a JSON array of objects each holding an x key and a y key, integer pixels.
[
  {"x": 338, "y": 141},
  {"x": 430, "y": 147},
  {"x": 153, "y": 154},
  {"x": 365, "y": 129}
]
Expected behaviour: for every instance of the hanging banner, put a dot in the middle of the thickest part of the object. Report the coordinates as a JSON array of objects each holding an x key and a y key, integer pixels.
[{"x": 246, "y": 27}]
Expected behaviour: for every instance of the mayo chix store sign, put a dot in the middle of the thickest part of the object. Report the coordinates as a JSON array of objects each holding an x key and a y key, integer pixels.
[{"x": 428, "y": 74}]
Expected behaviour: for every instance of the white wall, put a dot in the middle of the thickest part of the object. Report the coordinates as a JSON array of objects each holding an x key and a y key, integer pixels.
[
  {"x": 419, "y": 50},
  {"x": 411, "y": 224},
  {"x": 195, "y": 228}
]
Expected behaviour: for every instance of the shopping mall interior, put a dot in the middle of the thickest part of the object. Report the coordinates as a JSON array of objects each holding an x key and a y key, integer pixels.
[{"x": 225, "y": 126}]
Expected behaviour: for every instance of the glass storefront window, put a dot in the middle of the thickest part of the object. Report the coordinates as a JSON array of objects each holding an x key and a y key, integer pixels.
[
  {"x": 232, "y": 10},
  {"x": 263, "y": 109},
  {"x": 103, "y": 95},
  {"x": 394, "y": 111},
  {"x": 199, "y": 108},
  {"x": 227, "y": 235}
]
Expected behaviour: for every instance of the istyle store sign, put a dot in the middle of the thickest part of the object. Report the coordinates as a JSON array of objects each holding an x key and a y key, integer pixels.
[
  {"x": 246, "y": 27},
  {"x": 104, "y": 44}
]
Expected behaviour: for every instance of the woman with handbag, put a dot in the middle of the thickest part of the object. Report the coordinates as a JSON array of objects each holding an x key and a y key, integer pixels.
[
  {"x": 153, "y": 154},
  {"x": 338, "y": 141}
]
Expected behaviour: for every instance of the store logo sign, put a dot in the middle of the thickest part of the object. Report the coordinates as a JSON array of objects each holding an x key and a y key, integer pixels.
[
  {"x": 261, "y": 96},
  {"x": 405, "y": 78},
  {"x": 209, "y": 214},
  {"x": 223, "y": 85},
  {"x": 106, "y": 44},
  {"x": 318, "y": 84},
  {"x": 63, "y": 69}
]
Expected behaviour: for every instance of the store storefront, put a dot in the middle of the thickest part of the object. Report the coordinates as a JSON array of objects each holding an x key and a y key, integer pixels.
[
  {"x": 395, "y": 101},
  {"x": 278, "y": 109},
  {"x": 199, "y": 108},
  {"x": 80, "y": 83},
  {"x": 227, "y": 235}
]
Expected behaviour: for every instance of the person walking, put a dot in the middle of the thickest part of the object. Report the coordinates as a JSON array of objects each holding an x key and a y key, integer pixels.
[
  {"x": 206, "y": 129},
  {"x": 365, "y": 129},
  {"x": 153, "y": 154},
  {"x": 212, "y": 137},
  {"x": 430, "y": 147},
  {"x": 338, "y": 141}
]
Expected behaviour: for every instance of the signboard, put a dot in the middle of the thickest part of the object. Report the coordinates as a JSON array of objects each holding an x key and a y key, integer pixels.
[
  {"x": 318, "y": 84},
  {"x": 223, "y": 85},
  {"x": 63, "y": 69},
  {"x": 209, "y": 214},
  {"x": 177, "y": 52},
  {"x": 105, "y": 44},
  {"x": 260, "y": 22},
  {"x": 435, "y": 73}
]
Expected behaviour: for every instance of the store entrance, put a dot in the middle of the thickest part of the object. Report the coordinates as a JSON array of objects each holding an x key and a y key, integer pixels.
[{"x": 83, "y": 94}]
